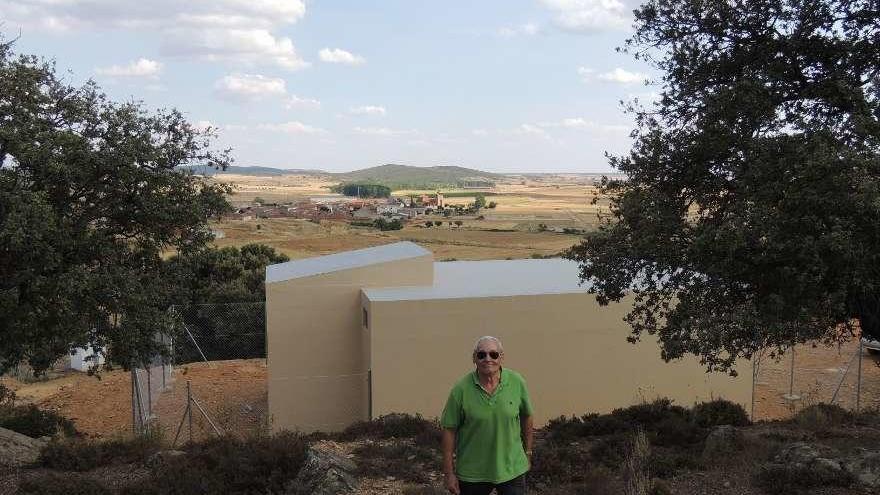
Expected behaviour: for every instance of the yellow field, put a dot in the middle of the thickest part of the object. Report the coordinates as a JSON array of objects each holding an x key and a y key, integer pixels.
[{"x": 511, "y": 230}]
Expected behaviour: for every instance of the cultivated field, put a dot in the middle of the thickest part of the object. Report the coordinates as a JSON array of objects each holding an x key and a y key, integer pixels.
[{"x": 511, "y": 230}]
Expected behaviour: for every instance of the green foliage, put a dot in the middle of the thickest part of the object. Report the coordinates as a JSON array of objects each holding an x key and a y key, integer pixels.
[
  {"x": 823, "y": 416},
  {"x": 363, "y": 190},
  {"x": 229, "y": 465},
  {"x": 34, "y": 422},
  {"x": 492, "y": 204},
  {"x": 362, "y": 223},
  {"x": 30, "y": 420},
  {"x": 429, "y": 223},
  {"x": 751, "y": 200},
  {"x": 383, "y": 224},
  {"x": 79, "y": 454},
  {"x": 720, "y": 412},
  {"x": 459, "y": 223},
  {"x": 220, "y": 275},
  {"x": 663, "y": 422},
  {"x": 89, "y": 199},
  {"x": 479, "y": 201},
  {"x": 438, "y": 222},
  {"x": 259, "y": 200}
]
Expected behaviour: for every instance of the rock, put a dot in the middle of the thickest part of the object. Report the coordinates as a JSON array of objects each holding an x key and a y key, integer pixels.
[
  {"x": 864, "y": 465},
  {"x": 18, "y": 450},
  {"x": 721, "y": 441},
  {"x": 164, "y": 457},
  {"x": 324, "y": 473}
]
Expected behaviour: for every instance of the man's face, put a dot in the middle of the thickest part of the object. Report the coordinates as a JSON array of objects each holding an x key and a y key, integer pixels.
[{"x": 488, "y": 357}]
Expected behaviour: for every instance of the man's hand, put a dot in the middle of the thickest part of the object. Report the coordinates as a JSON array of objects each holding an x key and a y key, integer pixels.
[{"x": 452, "y": 484}]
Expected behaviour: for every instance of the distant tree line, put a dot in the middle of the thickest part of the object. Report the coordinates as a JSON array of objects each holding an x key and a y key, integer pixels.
[{"x": 363, "y": 190}]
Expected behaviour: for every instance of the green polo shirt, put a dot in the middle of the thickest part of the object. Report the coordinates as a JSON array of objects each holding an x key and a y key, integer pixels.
[{"x": 488, "y": 445}]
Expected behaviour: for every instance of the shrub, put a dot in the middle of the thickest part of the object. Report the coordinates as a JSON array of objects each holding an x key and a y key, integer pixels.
[
  {"x": 408, "y": 462},
  {"x": 229, "y": 465},
  {"x": 675, "y": 430},
  {"x": 609, "y": 451},
  {"x": 85, "y": 455},
  {"x": 666, "y": 463},
  {"x": 781, "y": 479},
  {"x": 660, "y": 418},
  {"x": 720, "y": 412},
  {"x": 558, "y": 463},
  {"x": 394, "y": 426},
  {"x": 820, "y": 416},
  {"x": 34, "y": 422},
  {"x": 383, "y": 224},
  {"x": 50, "y": 483}
]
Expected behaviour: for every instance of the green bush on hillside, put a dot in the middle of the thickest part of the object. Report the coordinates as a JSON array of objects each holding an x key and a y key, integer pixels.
[
  {"x": 720, "y": 412},
  {"x": 30, "y": 420}
]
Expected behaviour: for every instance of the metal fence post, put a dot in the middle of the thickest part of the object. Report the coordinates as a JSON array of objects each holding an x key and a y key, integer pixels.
[
  {"x": 189, "y": 408},
  {"x": 859, "y": 380}
]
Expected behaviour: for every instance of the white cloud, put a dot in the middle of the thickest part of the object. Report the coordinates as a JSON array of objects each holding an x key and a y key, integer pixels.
[
  {"x": 141, "y": 67},
  {"x": 623, "y": 76},
  {"x": 582, "y": 124},
  {"x": 340, "y": 56},
  {"x": 527, "y": 29},
  {"x": 531, "y": 130},
  {"x": 250, "y": 87},
  {"x": 233, "y": 31},
  {"x": 383, "y": 131},
  {"x": 586, "y": 73},
  {"x": 588, "y": 16},
  {"x": 480, "y": 132},
  {"x": 292, "y": 127},
  {"x": 367, "y": 110},
  {"x": 248, "y": 47},
  {"x": 294, "y": 101}
]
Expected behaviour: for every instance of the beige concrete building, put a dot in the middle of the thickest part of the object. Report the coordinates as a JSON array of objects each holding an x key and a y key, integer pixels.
[{"x": 359, "y": 334}]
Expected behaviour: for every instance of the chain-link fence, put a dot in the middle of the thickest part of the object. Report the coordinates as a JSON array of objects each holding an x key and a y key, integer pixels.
[
  {"x": 214, "y": 379},
  {"x": 848, "y": 376}
]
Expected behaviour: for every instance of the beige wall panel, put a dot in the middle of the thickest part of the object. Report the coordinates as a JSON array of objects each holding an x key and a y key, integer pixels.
[
  {"x": 572, "y": 352},
  {"x": 314, "y": 329}
]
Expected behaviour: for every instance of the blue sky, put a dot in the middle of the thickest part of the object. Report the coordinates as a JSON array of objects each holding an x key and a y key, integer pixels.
[{"x": 499, "y": 85}]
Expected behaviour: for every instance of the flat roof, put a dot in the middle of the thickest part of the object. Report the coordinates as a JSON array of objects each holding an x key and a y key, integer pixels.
[
  {"x": 494, "y": 278},
  {"x": 343, "y": 261}
]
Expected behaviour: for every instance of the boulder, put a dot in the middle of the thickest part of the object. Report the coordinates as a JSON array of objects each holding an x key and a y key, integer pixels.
[
  {"x": 324, "y": 473},
  {"x": 722, "y": 441},
  {"x": 18, "y": 450},
  {"x": 864, "y": 465}
]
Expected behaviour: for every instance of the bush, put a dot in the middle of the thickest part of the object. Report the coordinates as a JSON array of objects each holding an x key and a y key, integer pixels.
[
  {"x": 383, "y": 224},
  {"x": 558, "y": 464},
  {"x": 394, "y": 425},
  {"x": 660, "y": 418},
  {"x": 85, "y": 455},
  {"x": 34, "y": 422},
  {"x": 780, "y": 479},
  {"x": 822, "y": 416},
  {"x": 720, "y": 412},
  {"x": 229, "y": 465},
  {"x": 50, "y": 483}
]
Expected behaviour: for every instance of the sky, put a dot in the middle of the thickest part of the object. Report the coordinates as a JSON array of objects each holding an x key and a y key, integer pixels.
[{"x": 498, "y": 85}]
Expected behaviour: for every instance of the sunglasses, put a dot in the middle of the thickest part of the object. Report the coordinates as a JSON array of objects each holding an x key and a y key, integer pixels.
[{"x": 481, "y": 355}]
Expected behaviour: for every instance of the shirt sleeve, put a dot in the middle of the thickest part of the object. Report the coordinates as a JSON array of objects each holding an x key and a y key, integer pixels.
[
  {"x": 525, "y": 404},
  {"x": 452, "y": 413}
]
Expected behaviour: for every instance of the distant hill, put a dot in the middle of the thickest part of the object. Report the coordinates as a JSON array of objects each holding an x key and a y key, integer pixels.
[
  {"x": 255, "y": 171},
  {"x": 407, "y": 176}
]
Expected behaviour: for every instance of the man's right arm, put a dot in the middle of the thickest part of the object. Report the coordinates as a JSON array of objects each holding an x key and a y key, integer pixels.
[{"x": 448, "y": 446}]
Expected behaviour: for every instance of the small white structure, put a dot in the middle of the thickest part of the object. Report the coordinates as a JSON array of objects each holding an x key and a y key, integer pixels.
[{"x": 84, "y": 358}]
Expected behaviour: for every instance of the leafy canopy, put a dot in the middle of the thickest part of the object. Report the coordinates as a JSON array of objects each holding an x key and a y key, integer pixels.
[
  {"x": 89, "y": 198},
  {"x": 751, "y": 214}
]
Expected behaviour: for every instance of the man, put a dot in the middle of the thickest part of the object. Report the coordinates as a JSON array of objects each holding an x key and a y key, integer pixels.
[{"x": 487, "y": 423}]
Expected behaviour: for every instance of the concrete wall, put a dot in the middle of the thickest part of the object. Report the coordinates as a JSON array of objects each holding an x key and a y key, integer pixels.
[
  {"x": 572, "y": 352},
  {"x": 316, "y": 343}
]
